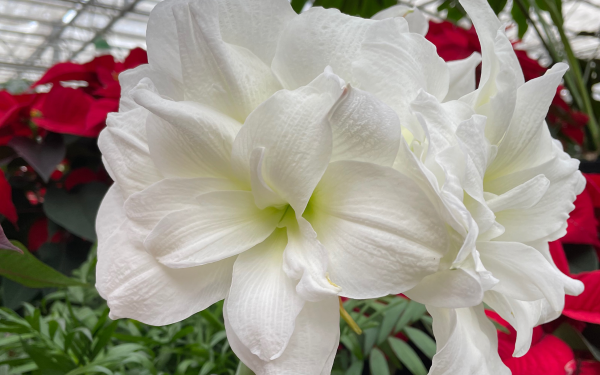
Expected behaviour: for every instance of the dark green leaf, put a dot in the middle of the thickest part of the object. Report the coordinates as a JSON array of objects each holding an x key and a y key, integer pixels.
[
  {"x": 243, "y": 369},
  {"x": 582, "y": 258},
  {"x": 103, "y": 338},
  {"x": 5, "y": 243},
  {"x": 377, "y": 363},
  {"x": 350, "y": 341},
  {"x": 569, "y": 335},
  {"x": 497, "y": 5},
  {"x": 370, "y": 337},
  {"x": 390, "y": 317},
  {"x": 77, "y": 211},
  {"x": 14, "y": 294},
  {"x": 407, "y": 356},
  {"x": 413, "y": 312},
  {"x": 297, "y": 5},
  {"x": 356, "y": 368},
  {"x": 421, "y": 341},
  {"x": 519, "y": 17},
  {"x": 31, "y": 272},
  {"x": 44, "y": 156},
  {"x": 49, "y": 363}
]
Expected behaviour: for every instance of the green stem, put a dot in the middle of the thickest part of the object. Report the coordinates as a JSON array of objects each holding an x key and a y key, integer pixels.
[
  {"x": 243, "y": 370},
  {"x": 577, "y": 74}
]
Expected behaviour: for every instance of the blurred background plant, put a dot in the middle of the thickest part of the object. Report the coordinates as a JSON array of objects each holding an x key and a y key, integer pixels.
[{"x": 53, "y": 321}]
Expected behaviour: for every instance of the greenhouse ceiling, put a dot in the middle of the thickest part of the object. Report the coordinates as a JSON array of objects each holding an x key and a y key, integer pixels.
[{"x": 35, "y": 34}]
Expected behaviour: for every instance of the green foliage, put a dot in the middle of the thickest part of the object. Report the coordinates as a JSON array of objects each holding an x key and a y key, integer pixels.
[
  {"x": 30, "y": 271},
  {"x": 71, "y": 333},
  {"x": 76, "y": 211},
  {"x": 582, "y": 258},
  {"x": 361, "y": 8},
  {"x": 386, "y": 322}
]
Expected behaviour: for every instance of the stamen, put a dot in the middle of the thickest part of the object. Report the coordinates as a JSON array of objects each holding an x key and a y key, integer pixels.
[{"x": 348, "y": 319}]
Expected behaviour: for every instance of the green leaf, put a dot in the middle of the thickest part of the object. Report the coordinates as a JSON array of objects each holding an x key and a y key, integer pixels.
[
  {"x": 569, "y": 335},
  {"x": 52, "y": 363},
  {"x": 377, "y": 363},
  {"x": 243, "y": 369},
  {"x": 356, "y": 368},
  {"x": 14, "y": 294},
  {"x": 421, "y": 340},
  {"x": 370, "y": 337},
  {"x": 497, "y": 5},
  {"x": 350, "y": 341},
  {"x": 407, "y": 356},
  {"x": 77, "y": 211},
  {"x": 297, "y": 5},
  {"x": 520, "y": 18},
  {"x": 390, "y": 318},
  {"x": 413, "y": 312},
  {"x": 27, "y": 270},
  {"x": 206, "y": 368},
  {"x": 103, "y": 338},
  {"x": 582, "y": 258},
  {"x": 221, "y": 335}
]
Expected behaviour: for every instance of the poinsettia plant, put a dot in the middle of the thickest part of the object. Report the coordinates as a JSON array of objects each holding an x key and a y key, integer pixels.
[
  {"x": 52, "y": 177},
  {"x": 53, "y": 181}
]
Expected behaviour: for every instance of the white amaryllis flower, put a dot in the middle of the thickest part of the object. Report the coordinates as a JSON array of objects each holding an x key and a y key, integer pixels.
[
  {"x": 514, "y": 186},
  {"x": 252, "y": 160}
]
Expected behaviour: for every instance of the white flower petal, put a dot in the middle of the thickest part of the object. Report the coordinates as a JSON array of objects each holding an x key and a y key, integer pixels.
[
  {"x": 264, "y": 196},
  {"x": 161, "y": 38},
  {"x": 136, "y": 286},
  {"x": 305, "y": 259},
  {"x": 145, "y": 208},
  {"x": 496, "y": 95},
  {"x": 227, "y": 77},
  {"x": 527, "y": 141},
  {"x": 293, "y": 129},
  {"x": 523, "y": 196},
  {"x": 110, "y": 213},
  {"x": 255, "y": 24},
  {"x": 547, "y": 219},
  {"x": 462, "y": 76},
  {"x": 364, "y": 129},
  {"x": 522, "y": 315},
  {"x": 417, "y": 23},
  {"x": 187, "y": 139},
  {"x": 523, "y": 272},
  {"x": 310, "y": 350},
  {"x": 316, "y": 39},
  {"x": 130, "y": 78},
  {"x": 487, "y": 25},
  {"x": 451, "y": 288},
  {"x": 262, "y": 305},
  {"x": 220, "y": 225},
  {"x": 381, "y": 232},
  {"x": 125, "y": 151},
  {"x": 395, "y": 65},
  {"x": 467, "y": 343}
]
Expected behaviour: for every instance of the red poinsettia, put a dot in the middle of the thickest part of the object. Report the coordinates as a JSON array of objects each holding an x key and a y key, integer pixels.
[
  {"x": 14, "y": 115},
  {"x": 548, "y": 354},
  {"x": 7, "y": 207},
  {"x": 83, "y": 110},
  {"x": 582, "y": 229}
]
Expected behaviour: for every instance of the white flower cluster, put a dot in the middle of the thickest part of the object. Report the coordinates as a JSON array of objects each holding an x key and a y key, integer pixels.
[{"x": 279, "y": 161}]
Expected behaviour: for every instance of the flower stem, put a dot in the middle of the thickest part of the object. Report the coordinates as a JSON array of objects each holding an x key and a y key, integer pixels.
[{"x": 556, "y": 16}]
